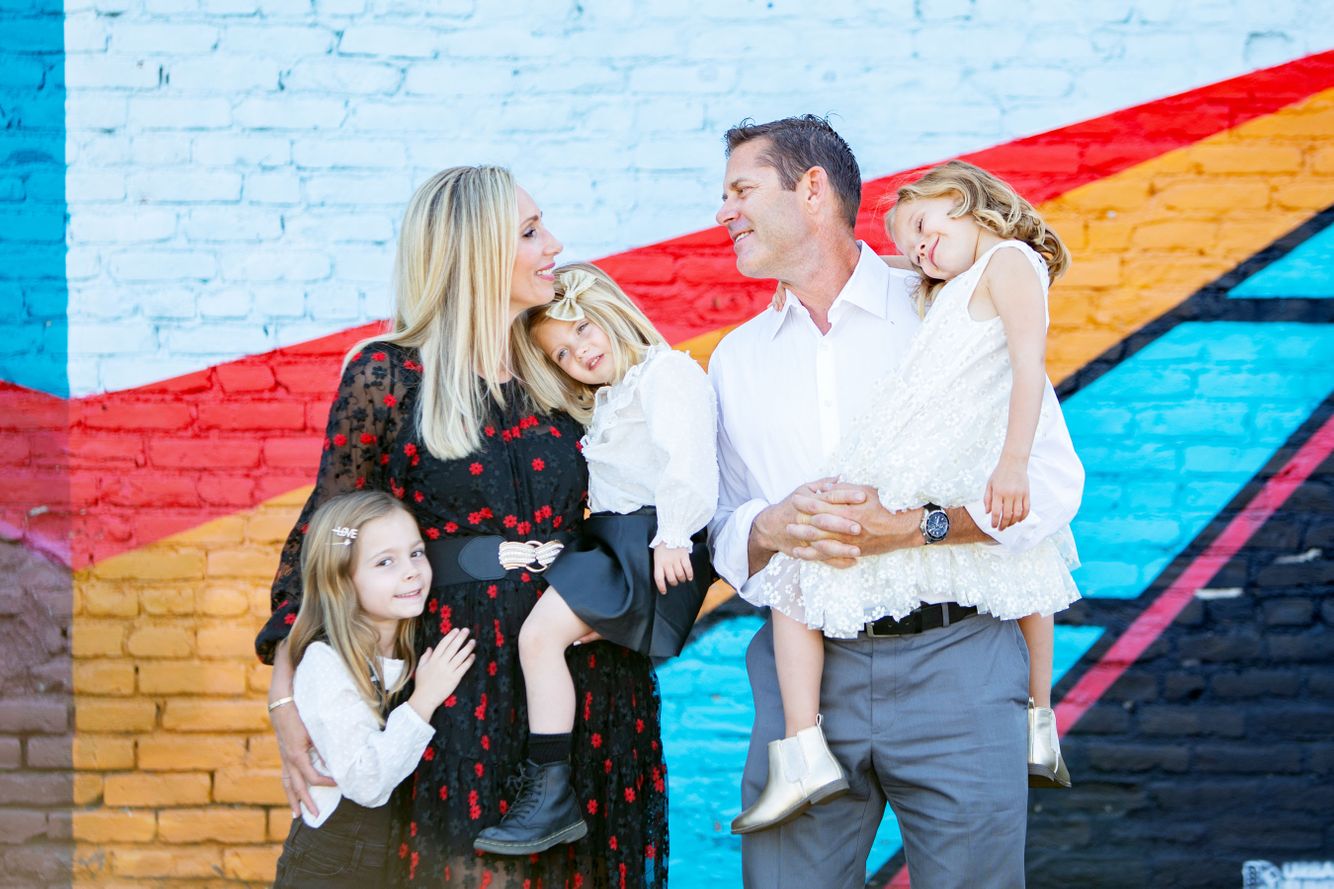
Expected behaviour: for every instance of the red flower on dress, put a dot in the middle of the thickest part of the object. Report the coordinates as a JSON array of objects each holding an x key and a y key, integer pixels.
[
  {"x": 479, "y": 768},
  {"x": 554, "y": 431},
  {"x": 480, "y": 710},
  {"x": 650, "y": 852},
  {"x": 491, "y": 668},
  {"x": 390, "y": 401},
  {"x": 360, "y": 483},
  {"x": 539, "y": 464},
  {"x": 492, "y": 590},
  {"x": 418, "y": 496},
  {"x": 444, "y": 792},
  {"x": 412, "y": 365},
  {"x": 474, "y": 810},
  {"x": 367, "y": 438},
  {"x": 451, "y": 700},
  {"x": 510, "y": 521},
  {"x": 556, "y": 522},
  {"x": 410, "y": 449},
  {"x": 629, "y": 794},
  {"x": 500, "y": 641},
  {"x": 433, "y": 533},
  {"x": 379, "y": 356},
  {"x": 489, "y": 430},
  {"x": 451, "y": 527},
  {"x": 486, "y": 742},
  {"x": 639, "y": 726},
  {"x": 289, "y": 618},
  {"x": 612, "y": 842},
  {"x": 403, "y": 850},
  {"x": 592, "y": 807},
  {"x": 525, "y": 577},
  {"x": 524, "y": 527},
  {"x": 446, "y": 619},
  {"x": 596, "y": 740},
  {"x": 606, "y": 766},
  {"x": 475, "y": 468},
  {"x": 428, "y": 754},
  {"x": 340, "y": 439},
  {"x": 412, "y": 828}
]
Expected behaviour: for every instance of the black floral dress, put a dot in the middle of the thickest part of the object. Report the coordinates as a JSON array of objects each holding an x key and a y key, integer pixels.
[{"x": 526, "y": 481}]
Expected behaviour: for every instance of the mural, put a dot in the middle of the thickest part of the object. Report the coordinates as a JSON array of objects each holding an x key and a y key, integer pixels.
[{"x": 166, "y": 382}]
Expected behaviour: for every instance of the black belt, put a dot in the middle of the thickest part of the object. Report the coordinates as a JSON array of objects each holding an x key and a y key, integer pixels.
[
  {"x": 926, "y": 617},
  {"x": 474, "y": 557}
]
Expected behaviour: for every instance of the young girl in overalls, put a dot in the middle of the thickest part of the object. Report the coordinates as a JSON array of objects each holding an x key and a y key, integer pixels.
[
  {"x": 954, "y": 424},
  {"x": 365, "y": 573},
  {"x": 637, "y": 574}
]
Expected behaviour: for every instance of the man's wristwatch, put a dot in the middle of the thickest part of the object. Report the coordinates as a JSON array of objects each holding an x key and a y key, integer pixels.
[{"x": 935, "y": 524}]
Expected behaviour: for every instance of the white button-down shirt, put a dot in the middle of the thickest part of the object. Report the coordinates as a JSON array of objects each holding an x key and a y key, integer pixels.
[{"x": 787, "y": 393}]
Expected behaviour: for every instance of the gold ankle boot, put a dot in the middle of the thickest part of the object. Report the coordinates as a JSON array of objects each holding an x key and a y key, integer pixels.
[
  {"x": 802, "y": 772},
  {"x": 1046, "y": 768}
]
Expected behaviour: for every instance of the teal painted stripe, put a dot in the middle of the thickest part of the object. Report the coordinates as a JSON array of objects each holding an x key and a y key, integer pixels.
[
  {"x": 1170, "y": 436},
  {"x": 1307, "y": 271},
  {"x": 706, "y": 717}
]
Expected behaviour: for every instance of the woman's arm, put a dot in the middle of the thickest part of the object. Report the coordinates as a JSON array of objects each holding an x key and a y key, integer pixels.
[{"x": 293, "y": 741}]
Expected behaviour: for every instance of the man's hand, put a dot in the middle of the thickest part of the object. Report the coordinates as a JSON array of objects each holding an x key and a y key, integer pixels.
[
  {"x": 671, "y": 565},
  {"x": 843, "y": 515},
  {"x": 1007, "y": 493},
  {"x": 801, "y": 526}
]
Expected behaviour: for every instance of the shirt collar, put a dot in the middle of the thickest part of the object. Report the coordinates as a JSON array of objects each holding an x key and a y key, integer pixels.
[{"x": 867, "y": 289}]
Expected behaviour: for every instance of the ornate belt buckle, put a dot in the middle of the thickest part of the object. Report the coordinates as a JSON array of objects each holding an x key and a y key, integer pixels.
[{"x": 531, "y": 555}]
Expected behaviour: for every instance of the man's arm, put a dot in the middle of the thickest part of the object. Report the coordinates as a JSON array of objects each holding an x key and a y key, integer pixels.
[{"x": 849, "y": 519}]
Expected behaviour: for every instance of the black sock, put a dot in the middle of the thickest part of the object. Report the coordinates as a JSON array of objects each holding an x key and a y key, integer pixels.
[{"x": 543, "y": 749}]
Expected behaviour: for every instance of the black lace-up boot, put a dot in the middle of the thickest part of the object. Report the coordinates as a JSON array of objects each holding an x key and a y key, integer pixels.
[{"x": 544, "y": 813}]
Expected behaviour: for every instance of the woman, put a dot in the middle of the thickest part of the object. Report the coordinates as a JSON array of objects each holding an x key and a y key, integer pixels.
[{"x": 432, "y": 413}]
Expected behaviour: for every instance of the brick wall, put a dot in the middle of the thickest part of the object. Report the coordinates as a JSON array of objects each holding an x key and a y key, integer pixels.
[{"x": 235, "y": 173}]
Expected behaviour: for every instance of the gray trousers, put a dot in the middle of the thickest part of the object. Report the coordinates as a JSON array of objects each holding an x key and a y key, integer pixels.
[{"x": 935, "y": 724}]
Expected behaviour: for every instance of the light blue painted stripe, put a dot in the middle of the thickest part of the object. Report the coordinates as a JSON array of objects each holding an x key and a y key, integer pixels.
[
  {"x": 1307, "y": 271},
  {"x": 1171, "y": 435},
  {"x": 34, "y": 331},
  {"x": 706, "y": 718}
]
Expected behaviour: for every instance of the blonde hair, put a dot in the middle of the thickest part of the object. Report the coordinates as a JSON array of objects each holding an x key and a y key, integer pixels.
[
  {"x": 330, "y": 610},
  {"x": 993, "y": 205},
  {"x": 604, "y": 303},
  {"x": 452, "y": 276}
]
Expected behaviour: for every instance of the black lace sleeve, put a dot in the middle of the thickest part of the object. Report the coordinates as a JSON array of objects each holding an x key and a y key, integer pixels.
[{"x": 363, "y": 423}]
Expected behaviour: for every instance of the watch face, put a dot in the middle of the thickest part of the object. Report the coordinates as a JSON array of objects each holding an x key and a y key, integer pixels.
[{"x": 937, "y": 525}]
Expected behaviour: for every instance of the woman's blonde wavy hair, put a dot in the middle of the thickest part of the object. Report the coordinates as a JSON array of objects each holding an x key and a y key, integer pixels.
[
  {"x": 452, "y": 277},
  {"x": 604, "y": 303},
  {"x": 330, "y": 611},
  {"x": 993, "y": 205}
]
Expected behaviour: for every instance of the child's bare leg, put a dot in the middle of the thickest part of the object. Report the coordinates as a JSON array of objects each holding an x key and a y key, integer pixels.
[
  {"x": 1039, "y": 634},
  {"x": 799, "y": 653},
  {"x": 551, "y": 627}
]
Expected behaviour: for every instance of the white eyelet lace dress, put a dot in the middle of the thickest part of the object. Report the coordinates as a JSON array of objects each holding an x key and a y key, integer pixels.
[{"x": 932, "y": 434}]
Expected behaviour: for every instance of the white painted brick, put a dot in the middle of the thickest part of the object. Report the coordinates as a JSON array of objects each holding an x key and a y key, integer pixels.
[
  {"x": 449, "y": 9},
  {"x": 320, "y": 152},
  {"x": 86, "y": 71},
  {"x": 186, "y": 187},
  {"x": 279, "y": 187},
  {"x": 521, "y": 41},
  {"x": 277, "y": 41},
  {"x": 272, "y": 9},
  {"x": 84, "y": 33},
  {"x": 356, "y": 264},
  {"x": 162, "y": 38},
  {"x": 379, "y": 116},
  {"x": 229, "y": 7},
  {"x": 302, "y": 331},
  {"x": 111, "y": 374},
  {"x": 388, "y": 41},
  {"x": 943, "y": 10},
  {"x": 111, "y": 339},
  {"x": 596, "y": 76},
  {"x": 160, "y": 149},
  {"x": 217, "y": 339},
  {"x": 357, "y": 189},
  {"x": 228, "y": 303},
  {"x": 1024, "y": 82},
  {"x": 325, "y": 227},
  {"x": 290, "y": 113},
  {"x": 170, "y": 7},
  {"x": 276, "y": 265},
  {"x": 96, "y": 150},
  {"x": 123, "y": 226},
  {"x": 215, "y": 74},
  {"x": 333, "y": 301},
  {"x": 224, "y": 224},
  {"x": 684, "y": 79},
  {"x": 341, "y": 75},
  {"x": 81, "y": 265},
  {"x": 339, "y": 7},
  {"x": 89, "y": 186},
  {"x": 459, "y": 78},
  {"x": 163, "y": 265},
  {"x": 98, "y": 111},
  {"x": 163, "y": 303},
  {"x": 282, "y": 301},
  {"x": 161, "y": 113},
  {"x": 246, "y": 150}
]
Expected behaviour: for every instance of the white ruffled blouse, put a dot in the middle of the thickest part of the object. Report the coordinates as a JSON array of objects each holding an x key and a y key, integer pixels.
[
  {"x": 367, "y": 761},
  {"x": 653, "y": 442}
]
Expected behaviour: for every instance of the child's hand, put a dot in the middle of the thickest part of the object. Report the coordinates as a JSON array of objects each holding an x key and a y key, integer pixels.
[
  {"x": 671, "y": 565},
  {"x": 1007, "y": 493},
  {"x": 439, "y": 670}
]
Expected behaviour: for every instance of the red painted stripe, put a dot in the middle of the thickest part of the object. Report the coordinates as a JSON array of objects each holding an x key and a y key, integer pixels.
[
  {"x": 1158, "y": 616},
  {"x": 206, "y": 426}
]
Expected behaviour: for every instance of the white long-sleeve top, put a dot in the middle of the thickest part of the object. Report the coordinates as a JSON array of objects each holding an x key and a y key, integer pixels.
[
  {"x": 653, "y": 442},
  {"x": 367, "y": 761},
  {"x": 787, "y": 395}
]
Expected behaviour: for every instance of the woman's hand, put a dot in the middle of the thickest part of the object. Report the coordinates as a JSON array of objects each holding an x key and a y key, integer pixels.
[
  {"x": 671, "y": 565},
  {"x": 439, "y": 670},
  {"x": 294, "y": 744},
  {"x": 1007, "y": 493}
]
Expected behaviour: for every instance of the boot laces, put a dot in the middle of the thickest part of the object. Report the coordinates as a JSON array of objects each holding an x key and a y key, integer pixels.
[{"x": 524, "y": 791}]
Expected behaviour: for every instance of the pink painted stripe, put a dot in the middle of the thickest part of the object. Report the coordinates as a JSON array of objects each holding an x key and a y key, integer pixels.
[{"x": 1159, "y": 615}]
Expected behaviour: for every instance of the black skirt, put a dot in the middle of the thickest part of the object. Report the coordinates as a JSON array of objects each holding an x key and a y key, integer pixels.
[{"x": 606, "y": 577}]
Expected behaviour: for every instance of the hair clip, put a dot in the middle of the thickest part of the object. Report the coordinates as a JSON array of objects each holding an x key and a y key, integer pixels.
[
  {"x": 566, "y": 305},
  {"x": 348, "y": 535}
]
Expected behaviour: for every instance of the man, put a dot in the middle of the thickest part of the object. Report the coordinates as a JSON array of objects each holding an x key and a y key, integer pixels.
[{"x": 928, "y": 712}]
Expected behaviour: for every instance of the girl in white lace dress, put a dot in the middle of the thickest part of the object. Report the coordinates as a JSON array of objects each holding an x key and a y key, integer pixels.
[
  {"x": 638, "y": 572},
  {"x": 364, "y": 570},
  {"x": 955, "y": 423}
]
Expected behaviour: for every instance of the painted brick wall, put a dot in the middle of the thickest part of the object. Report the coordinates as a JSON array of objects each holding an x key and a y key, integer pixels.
[{"x": 235, "y": 174}]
